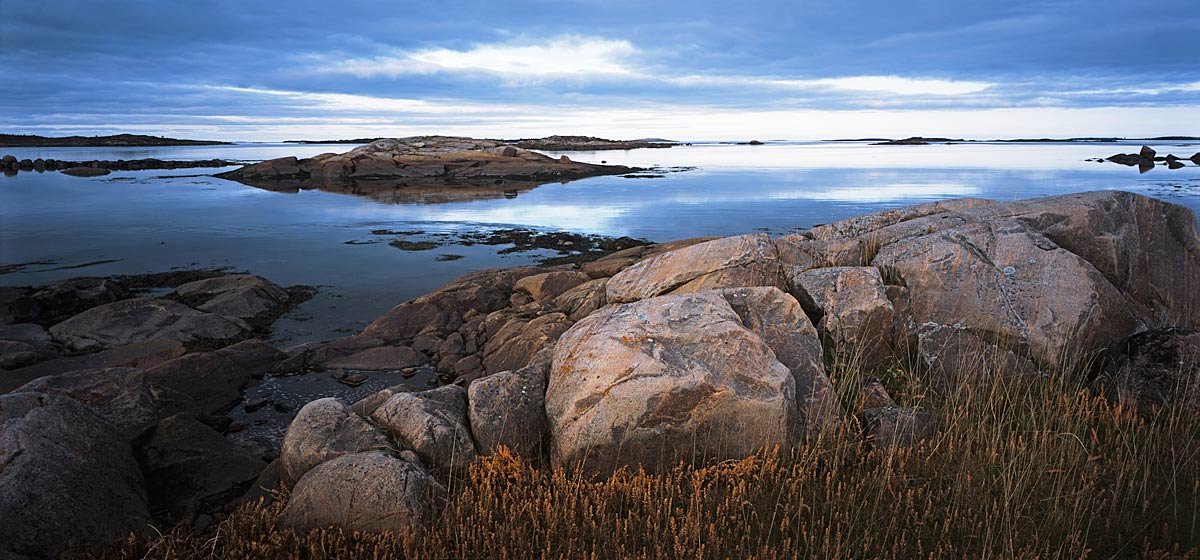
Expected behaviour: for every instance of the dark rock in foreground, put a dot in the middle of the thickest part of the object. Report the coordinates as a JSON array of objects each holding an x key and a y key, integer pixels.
[{"x": 67, "y": 478}]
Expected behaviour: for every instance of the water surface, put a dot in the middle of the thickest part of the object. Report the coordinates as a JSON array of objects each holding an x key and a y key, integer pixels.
[{"x": 149, "y": 221}]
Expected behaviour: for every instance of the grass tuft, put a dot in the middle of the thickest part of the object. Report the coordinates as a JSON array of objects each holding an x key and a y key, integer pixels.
[{"x": 1023, "y": 467}]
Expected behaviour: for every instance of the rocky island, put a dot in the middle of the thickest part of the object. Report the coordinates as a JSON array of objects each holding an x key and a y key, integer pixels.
[
  {"x": 434, "y": 166},
  {"x": 842, "y": 348},
  {"x": 31, "y": 140}
]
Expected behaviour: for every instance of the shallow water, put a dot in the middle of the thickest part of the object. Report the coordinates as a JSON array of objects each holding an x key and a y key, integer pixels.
[{"x": 147, "y": 221}]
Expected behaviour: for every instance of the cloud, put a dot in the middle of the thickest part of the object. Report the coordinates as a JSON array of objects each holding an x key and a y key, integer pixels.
[
  {"x": 567, "y": 56},
  {"x": 904, "y": 86},
  {"x": 895, "y": 85}
]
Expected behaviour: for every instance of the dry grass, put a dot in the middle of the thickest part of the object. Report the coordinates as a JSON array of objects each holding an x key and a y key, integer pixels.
[{"x": 1022, "y": 468}]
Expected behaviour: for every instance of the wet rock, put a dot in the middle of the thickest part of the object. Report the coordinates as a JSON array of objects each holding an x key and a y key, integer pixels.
[
  {"x": 324, "y": 429},
  {"x": 1157, "y": 368},
  {"x": 731, "y": 262},
  {"x": 138, "y": 355},
  {"x": 317, "y": 354},
  {"x": 898, "y": 427},
  {"x": 141, "y": 319},
  {"x": 370, "y": 491},
  {"x": 18, "y": 306},
  {"x": 190, "y": 468},
  {"x": 214, "y": 381},
  {"x": 124, "y": 397},
  {"x": 243, "y": 296},
  {"x": 65, "y": 298},
  {"x": 508, "y": 409},
  {"x": 86, "y": 172},
  {"x": 432, "y": 423},
  {"x": 68, "y": 479},
  {"x": 354, "y": 380},
  {"x": 662, "y": 380},
  {"x": 382, "y": 358}
]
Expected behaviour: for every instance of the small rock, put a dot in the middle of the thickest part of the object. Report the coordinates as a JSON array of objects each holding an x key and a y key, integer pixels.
[
  {"x": 255, "y": 404},
  {"x": 354, "y": 380}
]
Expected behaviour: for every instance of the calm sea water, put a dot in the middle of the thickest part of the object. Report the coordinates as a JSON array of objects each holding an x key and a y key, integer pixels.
[{"x": 150, "y": 221}]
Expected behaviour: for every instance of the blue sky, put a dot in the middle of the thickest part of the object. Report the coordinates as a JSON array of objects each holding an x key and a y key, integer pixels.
[{"x": 245, "y": 70}]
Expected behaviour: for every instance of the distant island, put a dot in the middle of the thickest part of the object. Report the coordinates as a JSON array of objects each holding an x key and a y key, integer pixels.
[
  {"x": 556, "y": 143},
  {"x": 35, "y": 141}
]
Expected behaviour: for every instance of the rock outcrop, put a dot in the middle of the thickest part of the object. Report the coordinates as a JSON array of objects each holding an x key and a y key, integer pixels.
[
  {"x": 140, "y": 319},
  {"x": 421, "y": 161}
]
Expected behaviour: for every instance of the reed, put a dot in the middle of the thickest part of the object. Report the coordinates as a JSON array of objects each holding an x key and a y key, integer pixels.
[{"x": 1023, "y": 467}]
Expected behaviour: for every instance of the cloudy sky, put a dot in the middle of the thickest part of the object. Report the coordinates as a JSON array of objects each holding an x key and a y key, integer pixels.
[{"x": 801, "y": 69}]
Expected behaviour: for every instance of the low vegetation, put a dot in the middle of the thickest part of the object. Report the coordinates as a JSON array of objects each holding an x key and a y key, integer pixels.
[{"x": 1027, "y": 467}]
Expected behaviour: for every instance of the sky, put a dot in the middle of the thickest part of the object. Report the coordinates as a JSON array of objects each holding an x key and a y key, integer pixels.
[{"x": 303, "y": 69}]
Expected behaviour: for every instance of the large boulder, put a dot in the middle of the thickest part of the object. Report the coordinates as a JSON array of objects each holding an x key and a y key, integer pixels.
[
  {"x": 779, "y": 320},
  {"x": 368, "y": 491},
  {"x": 666, "y": 379},
  {"x": 1158, "y": 368},
  {"x": 432, "y": 423},
  {"x": 214, "y": 381},
  {"x": 1146, "y": 247},
  {"x": 1012, "y": 287},
  {"x": 125, "y": 397},
  {"x": 730, "y": 262},
  {"x": 324, "y": 429},
  {"x": 189, "y": 467},
  {"x": 141, "y": 319},
  {"x": 137, "y": 355},
  {"x": 855, "y": 313},
  {"x": 67, "y": 478},
  {"x": 244, "y": 296},
  {"x": 509, "y": 409},
  {"x": 62, "y": 299}
]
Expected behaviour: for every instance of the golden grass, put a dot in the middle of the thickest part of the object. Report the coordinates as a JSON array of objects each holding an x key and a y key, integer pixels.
[{"x": 1022, "y": 468}]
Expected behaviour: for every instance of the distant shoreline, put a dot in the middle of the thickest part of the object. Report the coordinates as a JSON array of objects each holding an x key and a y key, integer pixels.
[
  {"x": 922, "y": 140},
  {"x": 116, "y": 140}
]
